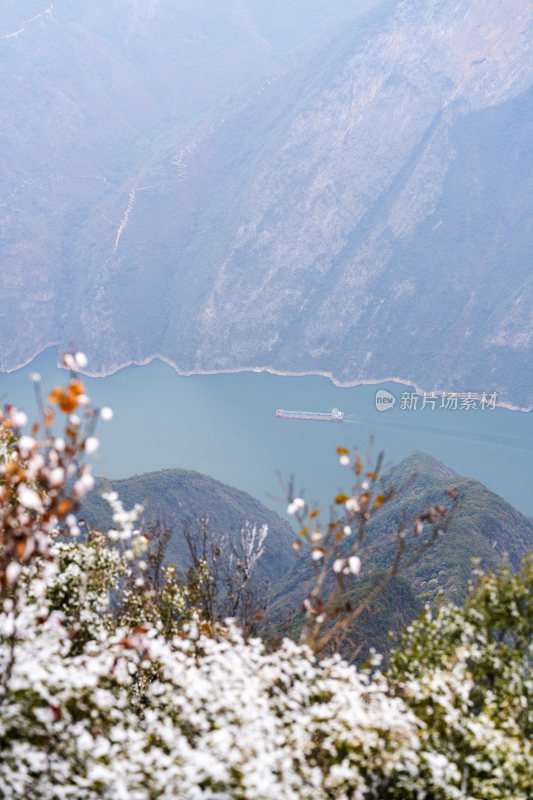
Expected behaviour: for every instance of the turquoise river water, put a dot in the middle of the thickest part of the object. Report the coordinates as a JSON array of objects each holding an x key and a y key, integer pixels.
[{"x": 224, "y": 425}]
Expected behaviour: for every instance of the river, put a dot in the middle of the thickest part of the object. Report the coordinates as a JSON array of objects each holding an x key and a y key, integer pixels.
[{"x": 224, "y": 425}]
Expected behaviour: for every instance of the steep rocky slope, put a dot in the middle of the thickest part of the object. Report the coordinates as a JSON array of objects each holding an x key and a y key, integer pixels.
[
  {"x": 178, "y": 497},
  {"x": 368, "y": 214},
  {"x": 92, "y": 93},
  {"x": 483, "y": 527}
]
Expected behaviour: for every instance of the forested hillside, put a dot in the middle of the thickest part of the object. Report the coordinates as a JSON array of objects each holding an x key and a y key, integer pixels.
[
  {"x": 359, "y": 206},
  {"x": 118, "y": 679},
  {"x": 175, "y": 498},
  {"x": 483, "y": 531}
]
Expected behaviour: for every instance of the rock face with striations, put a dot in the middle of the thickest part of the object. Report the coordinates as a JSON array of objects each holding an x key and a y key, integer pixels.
[{"x": 368, "y": 214}]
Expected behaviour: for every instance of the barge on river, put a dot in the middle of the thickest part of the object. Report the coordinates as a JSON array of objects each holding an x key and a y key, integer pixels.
[{"x": 318, "y": 416}]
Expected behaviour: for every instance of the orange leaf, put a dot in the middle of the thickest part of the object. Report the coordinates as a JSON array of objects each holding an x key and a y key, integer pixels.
[
  {"x": 314, "y": 513},
  {"x": 63, "y": 507},
  {"x": 20, "y": 548},
  {"x": 68, "y": 403},
  {"x": 341, "y": 498},
  {"x": 56, "y": 394},
  {"x": 76, "y": 388},
  {"x": 140, "y": 629},
  {"x": 342, "y": 451}
]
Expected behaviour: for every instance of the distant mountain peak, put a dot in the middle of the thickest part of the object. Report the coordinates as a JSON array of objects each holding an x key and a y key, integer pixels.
[{"x": 419, "y": 462}]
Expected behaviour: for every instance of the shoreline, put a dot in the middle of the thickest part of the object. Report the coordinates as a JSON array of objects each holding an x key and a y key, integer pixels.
[
  {"x": 29, "y": 360},
  {"x": 270, "y": 370}
]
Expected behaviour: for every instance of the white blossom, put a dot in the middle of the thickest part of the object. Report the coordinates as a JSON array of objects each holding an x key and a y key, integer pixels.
[
  {"x": 92, "y": 708},
  {"x": 56, "y": 476},
  {"x": 12, "y": 573},
  {"x": 25, "y": 445},
  {"x": 84, "y": 484},
  {"x": 352, "y": 504},
  {"x": 295, "y": 505},
  {"x": 354, "y": 564},
  {"x": 91, "y": 444},
  {"x": 18, "y": 418},
  {"x": 80, "y": 360},
  {"x": 29, "y": 498},
  {"x": 69, "y": 361}
]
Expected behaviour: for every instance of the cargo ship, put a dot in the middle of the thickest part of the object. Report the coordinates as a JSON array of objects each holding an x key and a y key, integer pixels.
[{"x": 320, "y": 416}]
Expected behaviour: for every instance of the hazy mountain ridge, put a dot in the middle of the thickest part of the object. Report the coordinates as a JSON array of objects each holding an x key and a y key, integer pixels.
[
  {"x": 308, "y": 215},
  {"x": 178, "y": 497},
  {"x": 92, "y": 93},
  {"x": 483, "y": 527},
  {"x": 368, "y": 214}
]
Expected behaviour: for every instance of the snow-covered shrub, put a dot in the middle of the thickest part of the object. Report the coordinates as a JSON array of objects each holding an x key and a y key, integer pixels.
[
  {"x": 108, "y": 690},
  {"x": 218, "y": 715},
  {"x": 466, "y": 674},
  {"x": 124, "y": 712}
]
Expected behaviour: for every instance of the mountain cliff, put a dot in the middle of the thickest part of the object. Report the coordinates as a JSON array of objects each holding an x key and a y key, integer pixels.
[
  {"x": 178, "y": 497},
  {"x": 367, "y": 213},
  {"x": 483, "y": 527}
]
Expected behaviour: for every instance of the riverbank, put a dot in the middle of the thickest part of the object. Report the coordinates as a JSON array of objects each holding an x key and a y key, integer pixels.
[
  {"x": 269, "y": 370},
  {"x": 224, "y": 425}
]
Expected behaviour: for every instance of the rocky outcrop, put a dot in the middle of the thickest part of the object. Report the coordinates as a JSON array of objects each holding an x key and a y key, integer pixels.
[{"x": 367, "y": 214}]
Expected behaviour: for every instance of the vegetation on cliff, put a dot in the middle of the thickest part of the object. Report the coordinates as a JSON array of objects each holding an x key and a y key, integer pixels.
[{"x": 116, "y": 679}]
